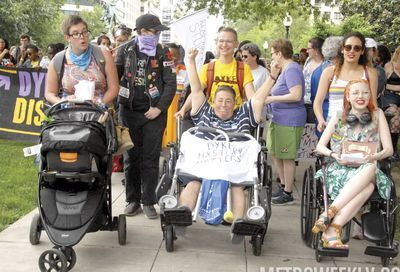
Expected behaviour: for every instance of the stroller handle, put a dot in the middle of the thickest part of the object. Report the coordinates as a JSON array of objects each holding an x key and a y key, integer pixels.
[{"x": 75, "y": 101}]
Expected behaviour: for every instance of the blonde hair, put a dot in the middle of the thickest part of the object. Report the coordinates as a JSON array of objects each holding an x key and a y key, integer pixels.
[{"x": 396, "y": 55}]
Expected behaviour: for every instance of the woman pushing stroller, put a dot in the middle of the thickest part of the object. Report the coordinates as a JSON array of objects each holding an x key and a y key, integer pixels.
[
  {"x": 351, "y": 179},
  {"x": 222, "y": 115}
]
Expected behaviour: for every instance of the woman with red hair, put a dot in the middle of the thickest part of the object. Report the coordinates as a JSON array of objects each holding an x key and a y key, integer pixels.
[{"x": 350, "y": 182}]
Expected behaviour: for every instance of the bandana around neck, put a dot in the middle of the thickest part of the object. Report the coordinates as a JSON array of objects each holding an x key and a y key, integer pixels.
[
  {"x": 83, "y": 60},
  {"x": 147, "y": 44}
]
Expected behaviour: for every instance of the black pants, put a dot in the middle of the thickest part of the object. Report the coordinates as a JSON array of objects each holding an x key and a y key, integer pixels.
[{"x": 141, "y": 163}]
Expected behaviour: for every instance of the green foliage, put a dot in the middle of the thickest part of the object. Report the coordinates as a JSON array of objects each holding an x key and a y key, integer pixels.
[
  {"x": 381, "y": 16},
  {"x": 26, "y": 16},
  {"x": 258, "y": 10},
  {"x": 42, "y": 20},
  {"x": 18, "y": 183},
  {"x": 96, "y": 25}
]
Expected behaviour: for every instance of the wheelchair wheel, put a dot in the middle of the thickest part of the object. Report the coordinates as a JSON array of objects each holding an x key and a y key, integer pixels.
[
  {"x": 169, "y": 238},
  {"x": 308, "y": 206},
  {"x": 256, "y": 242},
  {"x": 316, "y": 239},
  {"x": 122, "y": 229},
  {"x": 390, "y": 223}
]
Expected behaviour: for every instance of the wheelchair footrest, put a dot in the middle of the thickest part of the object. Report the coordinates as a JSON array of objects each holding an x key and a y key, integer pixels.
[
  {"x": 382, "y": 251},
  {"x": 178, "y": 216},
  {"x": 373, "y": 225},
  {"x": 248, "y": 228},
  {"x": 332, "y": 252}
]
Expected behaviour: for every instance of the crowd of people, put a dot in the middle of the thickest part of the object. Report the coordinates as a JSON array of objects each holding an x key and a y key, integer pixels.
[{"x": 348, "y": 86}]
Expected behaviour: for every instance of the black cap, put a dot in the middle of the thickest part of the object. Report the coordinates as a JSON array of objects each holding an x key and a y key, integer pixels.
[{"x": 148, "y": 21}]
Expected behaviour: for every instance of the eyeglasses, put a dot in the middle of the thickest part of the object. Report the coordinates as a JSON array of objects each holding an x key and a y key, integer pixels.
[
  {"x": 244, "y": 56},
  {"x": 349, "y": 47},
  {"x": 77, "y": 35}
]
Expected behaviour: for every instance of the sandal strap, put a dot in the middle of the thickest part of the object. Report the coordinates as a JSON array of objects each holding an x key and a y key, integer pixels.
[
  {"x": 332, "y": 209},
  {"x": 338, "y": 229}
]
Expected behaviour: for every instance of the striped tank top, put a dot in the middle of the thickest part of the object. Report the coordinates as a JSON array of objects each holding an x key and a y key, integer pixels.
[{"x": 336, "y": 92}]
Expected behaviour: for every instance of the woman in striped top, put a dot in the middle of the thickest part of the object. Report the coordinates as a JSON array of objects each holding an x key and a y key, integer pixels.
[{"x": 351, "y": 64}]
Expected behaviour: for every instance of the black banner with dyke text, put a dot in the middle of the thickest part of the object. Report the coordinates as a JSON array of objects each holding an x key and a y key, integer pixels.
[{"x": 21, "y": 103}]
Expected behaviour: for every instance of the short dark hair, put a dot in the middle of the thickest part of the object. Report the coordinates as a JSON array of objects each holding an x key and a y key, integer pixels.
[
  {"x": 225, "y": 88},
  {"x": 316, "y": 43},
  {"x": 103, "y": 37},
  {"x": 33, "y": 47},
  {"x": 25, "y": 36},
  {"x": 71, "y": 21}
]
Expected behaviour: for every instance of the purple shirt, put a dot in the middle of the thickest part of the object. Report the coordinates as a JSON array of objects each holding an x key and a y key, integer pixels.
[{"x": 289, "y": 114}]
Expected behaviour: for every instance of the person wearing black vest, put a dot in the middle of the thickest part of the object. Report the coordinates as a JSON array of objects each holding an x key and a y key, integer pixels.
[{"x": 148, "y": 85}]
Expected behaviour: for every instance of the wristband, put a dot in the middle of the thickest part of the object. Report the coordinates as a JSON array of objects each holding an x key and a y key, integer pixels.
[{"x": 273, "y": 78}]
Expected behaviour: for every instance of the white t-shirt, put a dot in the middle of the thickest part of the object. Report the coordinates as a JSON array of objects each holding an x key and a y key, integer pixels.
[{"x": 260, "y": 75}]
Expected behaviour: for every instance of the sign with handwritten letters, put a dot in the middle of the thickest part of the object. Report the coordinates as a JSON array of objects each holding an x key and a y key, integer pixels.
[
  {"x": 209, "y": 159},
  {"x": 308, "y": 142},
  {"x": 192, "y": 33},
  {"x": 21, "y": 103}
]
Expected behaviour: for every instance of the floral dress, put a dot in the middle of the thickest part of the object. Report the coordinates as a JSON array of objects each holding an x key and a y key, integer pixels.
[{"x": 338, "y": 175}]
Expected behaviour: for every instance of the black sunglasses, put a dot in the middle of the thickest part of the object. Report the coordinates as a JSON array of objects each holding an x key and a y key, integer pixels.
[
  {"x": 356, "y": 48},
  {"x": 244, "y": 56}
]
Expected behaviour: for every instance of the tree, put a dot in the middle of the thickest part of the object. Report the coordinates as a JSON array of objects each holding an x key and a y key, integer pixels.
[
  {"x": 25, "y": 16},
  {"x": 382, "y": 15},
  {"x": 93, "y": 19},
  {"x": 259, "y": 10}
]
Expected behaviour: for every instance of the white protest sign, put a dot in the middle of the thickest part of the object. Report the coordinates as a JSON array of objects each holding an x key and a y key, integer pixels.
[
  {"x": 308, "y": 142},
  {"x": 209, "y": 159},
  {"x": 191, "y": 32}
]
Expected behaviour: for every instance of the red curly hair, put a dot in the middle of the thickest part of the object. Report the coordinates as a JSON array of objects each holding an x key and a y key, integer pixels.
[{"x": 346, "y": 103}]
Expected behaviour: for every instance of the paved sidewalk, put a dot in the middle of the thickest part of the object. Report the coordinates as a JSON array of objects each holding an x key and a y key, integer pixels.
[{"x": 204, "y": 248}]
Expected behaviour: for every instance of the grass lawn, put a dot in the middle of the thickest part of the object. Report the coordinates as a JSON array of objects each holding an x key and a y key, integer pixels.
[{"x": 18, "y": 182}]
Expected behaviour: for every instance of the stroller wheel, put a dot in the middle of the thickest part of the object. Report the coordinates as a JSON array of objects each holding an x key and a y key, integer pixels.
[
  {"x": 35, "y": 230},
  {"x": 53, "y": 260},
  {"x": 169, "y": 238},
  {"x": 122, "y": 229},
  {"x": 70, "y": 254},
  {"x": 256, "y": 242}
]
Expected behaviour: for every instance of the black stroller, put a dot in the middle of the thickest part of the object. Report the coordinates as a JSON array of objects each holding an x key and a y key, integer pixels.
[{"x": 74, "y": 188}]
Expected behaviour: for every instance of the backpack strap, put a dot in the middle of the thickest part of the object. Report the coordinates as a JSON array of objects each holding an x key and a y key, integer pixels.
[
  {"x": 58, "y": 63},
  {"x": 240, "y": 77},
  {"x": 210, "y": 77},
  {"x": 99, "y": 57}
]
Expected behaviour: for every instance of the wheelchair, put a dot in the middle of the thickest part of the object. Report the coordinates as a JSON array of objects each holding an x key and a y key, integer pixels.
[
  {"x": 378, "y": 222},
  {"x": 259, "y": 193}
]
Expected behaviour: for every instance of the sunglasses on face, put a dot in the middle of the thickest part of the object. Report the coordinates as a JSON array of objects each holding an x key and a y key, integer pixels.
[
  {"x": 349, "y": 47},
  {"x": 244, "y": 56}
]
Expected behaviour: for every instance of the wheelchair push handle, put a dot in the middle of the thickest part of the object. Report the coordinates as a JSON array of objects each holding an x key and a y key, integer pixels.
[{"x": 217, "y": 131}]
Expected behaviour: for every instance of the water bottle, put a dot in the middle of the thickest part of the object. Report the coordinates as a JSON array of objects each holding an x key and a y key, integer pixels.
[{"x": 100, "y": 102}]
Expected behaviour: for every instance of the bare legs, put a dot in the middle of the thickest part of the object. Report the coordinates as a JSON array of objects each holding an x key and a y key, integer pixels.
[
  {"x": 190, "y": 193},
  {"x": 352, "y": 197},
  {"x": 238, "y": 201},
  {"x": 286, "y": 172}
]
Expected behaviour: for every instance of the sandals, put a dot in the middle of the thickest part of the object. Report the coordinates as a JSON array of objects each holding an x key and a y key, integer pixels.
[
  {"x": 334, "y": 242},
  {"x": 319, "y": 225}
]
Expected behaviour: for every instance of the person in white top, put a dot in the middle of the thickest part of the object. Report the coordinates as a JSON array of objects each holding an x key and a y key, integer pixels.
[{"x": 251, "y": 56}]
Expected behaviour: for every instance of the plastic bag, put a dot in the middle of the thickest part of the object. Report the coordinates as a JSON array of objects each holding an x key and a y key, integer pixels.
[{"x": 213, "y": 201}]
